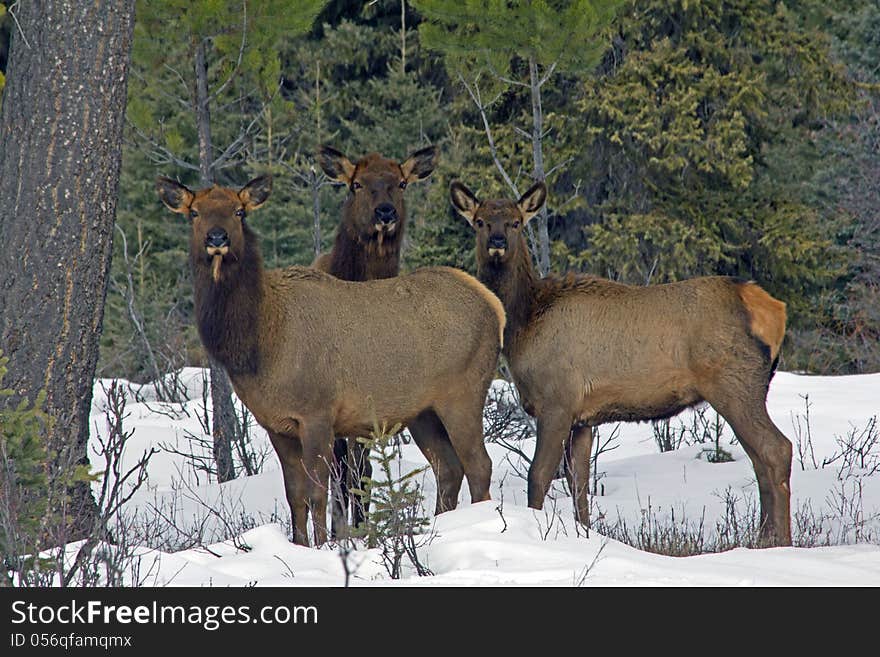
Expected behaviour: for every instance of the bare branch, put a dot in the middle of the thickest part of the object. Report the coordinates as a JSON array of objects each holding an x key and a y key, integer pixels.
[
  {"x": 174, "y": 99},
  {"x": 521, "y": 132},
  {"x": 159, "y": 154},
  {"x": 238, "y": 143},
  {"x": 11, "y": 12},
  {"x": 557, "y": 167},
  {"x": 547, "y": 74},
  {"x": 503, "y": 78}
]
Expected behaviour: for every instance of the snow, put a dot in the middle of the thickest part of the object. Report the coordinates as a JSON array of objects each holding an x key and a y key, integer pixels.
[{"x": 503, "y": 542}]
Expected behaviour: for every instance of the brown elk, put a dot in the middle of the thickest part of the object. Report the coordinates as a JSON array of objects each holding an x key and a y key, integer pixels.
[
  {"x": 312, "y": 356},
  {"x": 585, "y": 350},
  {"x": 366, "y": 247},
  {"x": 368, "y": 240}
]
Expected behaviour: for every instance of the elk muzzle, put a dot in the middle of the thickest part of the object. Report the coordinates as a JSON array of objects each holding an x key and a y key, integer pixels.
[
  {"x": 217, "y": 246},
  {"x": 497, "y": 245},
  {"x": 385, "y": 216},
  {"x": 217, "y": 242}
]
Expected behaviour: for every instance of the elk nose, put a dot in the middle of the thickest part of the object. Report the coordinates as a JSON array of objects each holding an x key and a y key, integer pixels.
[
  {"x": 497, "y": 242},
  {"x": 386, "y": 213},
  {"x": 217, "y": 237}
]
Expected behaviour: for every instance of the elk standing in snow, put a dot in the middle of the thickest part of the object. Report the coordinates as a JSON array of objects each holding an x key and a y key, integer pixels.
[
  {"x": 584, "y": 350},
  {"x": 366, "y": 247},
  {"x": 312, "y": 356}
]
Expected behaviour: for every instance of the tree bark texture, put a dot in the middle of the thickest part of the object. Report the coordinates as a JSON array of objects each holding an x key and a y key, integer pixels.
[{"x": 60, "y": 153}]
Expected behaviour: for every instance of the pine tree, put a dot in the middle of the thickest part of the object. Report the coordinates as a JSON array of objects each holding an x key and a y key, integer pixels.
[
  {"x": 699, "y": 141},
  {"x": 519, "y": 45}
]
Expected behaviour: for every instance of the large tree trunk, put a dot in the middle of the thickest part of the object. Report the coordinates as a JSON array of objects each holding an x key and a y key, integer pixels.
[
  {"x": 223, "y": 422},
  {"x": 60, "y": 151}
]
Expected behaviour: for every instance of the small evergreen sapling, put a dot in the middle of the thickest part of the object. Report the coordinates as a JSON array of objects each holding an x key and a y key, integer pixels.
[{"x": 397, "y": 521}]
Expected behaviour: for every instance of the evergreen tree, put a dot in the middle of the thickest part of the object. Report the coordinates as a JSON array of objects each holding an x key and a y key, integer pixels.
[
  {"x": 518, "y": 44},
  {"x": 845, "y": 336},
  {"x": 700, "y": 138}
]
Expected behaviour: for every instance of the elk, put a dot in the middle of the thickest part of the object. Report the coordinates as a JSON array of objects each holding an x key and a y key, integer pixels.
[
  {"x": 366, "y": 247},
  {"x": 312, "y": 356},
  {"x": 585, "y": 350},
  {"x": 368, "y": 240}
]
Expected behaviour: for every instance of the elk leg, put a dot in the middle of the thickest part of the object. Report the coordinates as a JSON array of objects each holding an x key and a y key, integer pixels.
[
  {"x": 577, "y": 459},
  {"x": 339, "y": 488},
  {"x": 430, "y": 435},
  {"x": 289, "y": 450},
  {"x": 317, "y": 454},
  {"x": 553, "y": 433},
  {"x": 463, "y": 420},
  {"x": 770, "y": 453},
  {"x": 360, "y": 469}
]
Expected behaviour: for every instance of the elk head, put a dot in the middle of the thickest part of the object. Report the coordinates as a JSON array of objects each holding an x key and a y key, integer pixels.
[
  {"x": 498, "y": 222},
  {"x": 217, "y": 216},
  {"x": 374, "y": 208}
]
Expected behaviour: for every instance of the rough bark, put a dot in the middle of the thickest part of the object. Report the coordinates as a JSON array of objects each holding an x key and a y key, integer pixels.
[
  {"x": 224, "y": 421},
  {"x": 60, "y": 137}
]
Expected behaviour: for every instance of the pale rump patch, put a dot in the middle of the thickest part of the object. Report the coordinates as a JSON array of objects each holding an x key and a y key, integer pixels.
[
  {"x": 493, "y": 301},
  {"x": 215, "y": 267},
  {"x": 766, "y": 313}
]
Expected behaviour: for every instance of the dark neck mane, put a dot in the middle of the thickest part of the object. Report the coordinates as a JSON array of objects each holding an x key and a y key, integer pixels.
[
  {"x": 228, "y": 312},
  {"x": 516, "y": 283},
  {"x": 523, "y": 293},
  {"x": 356, "y": 257}
]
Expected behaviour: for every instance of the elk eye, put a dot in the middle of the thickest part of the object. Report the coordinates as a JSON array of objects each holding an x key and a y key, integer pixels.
[
  {"x": 479, "y": 223},
  {"x": 193, "y": 214},
  {"x": 516, "y": 224},
  {"x": 239, "y": 213},
  {"x": 356, "y": 185},
  {"x": 403, "y": 184}
]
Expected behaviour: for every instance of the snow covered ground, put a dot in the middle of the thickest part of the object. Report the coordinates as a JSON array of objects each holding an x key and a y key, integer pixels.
[{"x": 502, "y": 542}]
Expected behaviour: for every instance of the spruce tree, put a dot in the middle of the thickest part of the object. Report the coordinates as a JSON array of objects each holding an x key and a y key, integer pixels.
[
  {"x": 517, "y": 45},
  {"x": 698, "y": 141}
]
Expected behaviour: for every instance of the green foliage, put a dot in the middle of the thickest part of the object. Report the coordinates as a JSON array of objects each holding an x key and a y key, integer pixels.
[
  {"x": 692, "y": 137},
  {"x": 492, "y": 33},
  {"x": 699, "y": 137},
  {"x": 23, "y": 459},
  {"x": 843, "y": 335},
  {"x": 396, "y": 522},
  {"x": 242, "y": 44},
  {"x": 35, "y": 486}
]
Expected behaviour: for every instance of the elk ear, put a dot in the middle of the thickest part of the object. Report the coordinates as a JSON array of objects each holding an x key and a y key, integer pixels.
[
  {"x": 335, "y": 165},
  {"x": 532, "y": 201},
  {"x": 420, "y": 164},
  {"x": 175, "y": 196},
  {"x": 255, "y": 193},
  {"x": 464, "y": 201}
]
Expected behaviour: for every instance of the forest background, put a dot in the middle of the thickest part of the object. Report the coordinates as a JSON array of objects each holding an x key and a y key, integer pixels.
[{"x": 685, "y": 138}]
